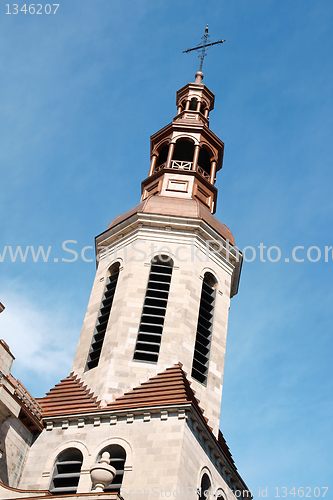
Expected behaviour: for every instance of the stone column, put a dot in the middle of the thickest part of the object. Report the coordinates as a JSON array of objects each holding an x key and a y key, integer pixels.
[
  {"x": 170, "y": 153},
  {"x": 212, "y": 171},
  {"x": 195, "y": 157},
  {"x": 152, "y": 165}
]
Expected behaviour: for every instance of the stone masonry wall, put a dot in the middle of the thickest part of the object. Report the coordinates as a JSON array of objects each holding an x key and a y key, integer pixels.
[
  {"x": 15, "y": 444},
  {"x": 116, "y": 371},
  {"x": 162, "y": 454}
]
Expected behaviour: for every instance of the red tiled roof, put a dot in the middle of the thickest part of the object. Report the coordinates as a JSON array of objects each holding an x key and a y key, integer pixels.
[
  {"x": 170, "y": 387},
  {"x": 68, "y": 397},
  {"x": 71, "y": 396},
  {"x": 225, "y": 448}
]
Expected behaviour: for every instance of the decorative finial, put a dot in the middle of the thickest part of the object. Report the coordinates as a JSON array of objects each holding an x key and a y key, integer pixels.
[
  {"x": 204, "y": 46},
  {"x": 102, "y": 473}
]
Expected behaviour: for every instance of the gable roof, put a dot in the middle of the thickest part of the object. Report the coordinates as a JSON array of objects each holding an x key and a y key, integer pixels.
[
  {"x": 68, "y": 397},
  {"x": 170, "y": 387}
]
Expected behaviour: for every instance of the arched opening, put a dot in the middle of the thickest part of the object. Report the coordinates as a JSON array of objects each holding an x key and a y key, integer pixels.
[
  {"x": 117, "y": 460},
  {"x": 210, "y": 280},
  {"x": 202, "y": 108},
  {"x": 163, "y": 155},
  {"x": 193, "y": 104},
  {"x": 149, "y": 337},
  {"x": 204, "y": 329},
  {"x": 205, "y": 487},
  {"x": 220, "y": 495},
  {"x": 204, "y": 160},
  {"x": 184, "y": 150},
  {"x": 103, "y": 317},
  {"x": 66, "y": 472}
]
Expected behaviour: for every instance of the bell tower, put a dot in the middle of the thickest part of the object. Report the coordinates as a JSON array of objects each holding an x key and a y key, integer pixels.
[{"x": 166, "y": 270}]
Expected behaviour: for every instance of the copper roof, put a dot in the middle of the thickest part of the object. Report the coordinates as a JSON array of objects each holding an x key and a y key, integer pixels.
[
  {"x": 178, "y": 207},
  {"x": 68, "y": 397}
]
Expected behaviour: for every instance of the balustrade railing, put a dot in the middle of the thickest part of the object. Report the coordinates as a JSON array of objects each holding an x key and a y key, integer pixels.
[
  {"x": 203, "y": 173},
  {"x": 28, "y": 400},
  {"x": 183, "y": 165}
]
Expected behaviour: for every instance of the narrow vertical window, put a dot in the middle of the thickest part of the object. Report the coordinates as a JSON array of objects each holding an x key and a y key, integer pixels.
[
  {"x": 204, "y": 329},
  {"x": 103, "y": 317},
  {"x": 148, "y": 342},
  {"x": 66, "y": 473},
  {"x": 205, "y": 488}
]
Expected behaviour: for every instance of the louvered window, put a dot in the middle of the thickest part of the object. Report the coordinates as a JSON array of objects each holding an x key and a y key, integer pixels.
[
  {"x": 117, "y": 460},
  {"x": 204, "y": 329},
  {"x": 66, "y": 472},
  {"x": 103, "y": 317},
  {"x": 152, "y": 320}
]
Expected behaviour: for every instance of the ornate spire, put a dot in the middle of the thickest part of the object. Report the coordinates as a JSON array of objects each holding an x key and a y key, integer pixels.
[{"x": 185, "y": 155}]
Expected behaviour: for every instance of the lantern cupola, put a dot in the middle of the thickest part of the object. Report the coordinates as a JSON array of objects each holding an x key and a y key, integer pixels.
[{"x": 186, "y": 154}]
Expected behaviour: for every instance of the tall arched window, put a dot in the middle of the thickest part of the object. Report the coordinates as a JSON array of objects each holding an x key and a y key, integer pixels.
[
  {"x": 193, "y": 104},
  {"x": 66, "y": 473},
  {"x": 204, "y": 329},
  {"x": 117, "y": 460},
  {"x": 202, "y": 108},
  {"x": 163, "y": 155},
  {"x": 204, "y": 160},
  {"x": 184, "y": 150},
  {"x": 205, "y": 488},
  {"x": 149, "y": 337},
  {"x": 103, "y": 317}
]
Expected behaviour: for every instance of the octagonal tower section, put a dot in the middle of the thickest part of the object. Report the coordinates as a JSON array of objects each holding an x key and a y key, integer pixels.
[{"x": 166, "y": 270}]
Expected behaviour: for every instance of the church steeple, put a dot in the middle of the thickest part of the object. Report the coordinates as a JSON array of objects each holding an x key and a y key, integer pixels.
[{"x": 167, "y": 269}]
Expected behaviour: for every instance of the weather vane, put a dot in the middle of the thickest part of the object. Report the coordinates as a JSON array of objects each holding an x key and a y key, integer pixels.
[{"x": 204, "y": 46}]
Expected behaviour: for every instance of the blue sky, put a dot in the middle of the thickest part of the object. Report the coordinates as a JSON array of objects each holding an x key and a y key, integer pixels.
[{"x": 81, "y": 91}]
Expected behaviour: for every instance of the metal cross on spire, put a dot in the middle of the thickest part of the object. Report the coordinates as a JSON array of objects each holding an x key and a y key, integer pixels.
[{"x": 204, "y": 46}]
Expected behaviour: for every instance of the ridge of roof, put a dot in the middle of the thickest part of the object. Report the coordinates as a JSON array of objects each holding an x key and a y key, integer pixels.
[{"x": 225, "y": 448}]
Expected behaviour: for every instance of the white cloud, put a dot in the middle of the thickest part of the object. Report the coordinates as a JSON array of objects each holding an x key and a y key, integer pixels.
[{"x": 42, "y": 339}]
